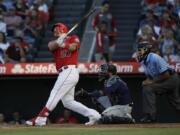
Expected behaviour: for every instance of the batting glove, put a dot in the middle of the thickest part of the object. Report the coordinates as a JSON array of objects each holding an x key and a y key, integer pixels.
[{"x": 60, "y": 40}]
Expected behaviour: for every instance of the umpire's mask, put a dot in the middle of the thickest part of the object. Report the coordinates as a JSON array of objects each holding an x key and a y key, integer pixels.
[{"x": 144, "y": 49}]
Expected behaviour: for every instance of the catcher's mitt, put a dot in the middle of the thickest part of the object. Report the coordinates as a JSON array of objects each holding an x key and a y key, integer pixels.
[{"x": 82, "y": 93}]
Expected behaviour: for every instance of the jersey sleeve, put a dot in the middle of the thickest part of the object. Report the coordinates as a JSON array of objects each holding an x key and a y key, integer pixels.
[
  {"x": 160, "y": 63},
  {"x": 75, "y": 39}
]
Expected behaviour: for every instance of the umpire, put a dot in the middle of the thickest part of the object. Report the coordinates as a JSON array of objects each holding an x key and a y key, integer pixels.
[{"x": 161, "y": 79}]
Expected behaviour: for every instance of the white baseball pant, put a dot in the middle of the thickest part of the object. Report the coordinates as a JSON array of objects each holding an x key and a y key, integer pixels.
[{"x": 64, "y": 90}]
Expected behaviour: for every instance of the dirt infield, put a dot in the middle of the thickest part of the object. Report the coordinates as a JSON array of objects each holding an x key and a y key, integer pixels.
[{"x": 156, "y": 125}]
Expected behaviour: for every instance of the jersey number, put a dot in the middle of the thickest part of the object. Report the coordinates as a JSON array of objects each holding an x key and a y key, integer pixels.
[{"x": 65, "y": 53}]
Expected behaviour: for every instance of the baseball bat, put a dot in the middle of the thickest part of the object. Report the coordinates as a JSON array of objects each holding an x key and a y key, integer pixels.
[{"x": 81, "y": 20}]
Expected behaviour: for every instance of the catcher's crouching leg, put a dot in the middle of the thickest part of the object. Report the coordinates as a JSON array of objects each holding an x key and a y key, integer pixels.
[{"x": 115, "y": 120}]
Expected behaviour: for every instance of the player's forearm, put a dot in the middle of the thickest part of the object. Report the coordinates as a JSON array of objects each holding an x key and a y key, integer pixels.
[
  {"x": 53, "y": 45},
  {"x": 71, "y": 47}
]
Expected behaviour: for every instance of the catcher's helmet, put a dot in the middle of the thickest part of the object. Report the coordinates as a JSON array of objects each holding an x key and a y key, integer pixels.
[
  {"x": 61, "y": 28},
  {"x": 146, "y": 47},
  {"x": 105, "y": 69}
]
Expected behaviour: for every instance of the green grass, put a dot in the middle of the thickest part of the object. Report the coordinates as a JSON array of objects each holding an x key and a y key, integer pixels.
[{"x": 88, "y": 131}]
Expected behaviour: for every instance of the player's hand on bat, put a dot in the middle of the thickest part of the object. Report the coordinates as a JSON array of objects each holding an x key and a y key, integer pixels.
[{"x": 60, "y": 40}]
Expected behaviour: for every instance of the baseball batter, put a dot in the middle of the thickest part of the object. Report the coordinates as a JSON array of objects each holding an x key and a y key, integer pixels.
[{"x": 65, "y": 50}]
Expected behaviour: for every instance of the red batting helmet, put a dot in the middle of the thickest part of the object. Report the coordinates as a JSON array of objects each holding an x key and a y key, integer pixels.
[{"x": 62, "y": 28}]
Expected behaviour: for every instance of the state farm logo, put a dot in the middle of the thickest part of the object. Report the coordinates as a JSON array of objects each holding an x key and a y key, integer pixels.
[
  {"x": 125, "y": 68},
  {"x": 33, "y": 69},
  {"x": 82, "y": 68},
  {"x": 94, "y": 68},
  {"x": 17, "y": 69},
  {"x": 36, "y": 69}
]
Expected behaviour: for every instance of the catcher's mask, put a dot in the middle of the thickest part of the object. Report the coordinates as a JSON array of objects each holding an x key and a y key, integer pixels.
[
  {"x": 104, "y": 71},
  {"x": 59, "y": 28},
  {"x": 144, "y": 49}
]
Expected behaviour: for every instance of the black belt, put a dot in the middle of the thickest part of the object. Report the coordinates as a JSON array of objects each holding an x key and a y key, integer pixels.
[
  {"x": 171, "y": 72},
  {"x": 62, "y": 68}
]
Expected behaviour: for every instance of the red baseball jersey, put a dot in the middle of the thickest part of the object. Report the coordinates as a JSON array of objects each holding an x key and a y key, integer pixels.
[
  {"x": 102, "y": 42},
  {"x": 64, "y": 56}
]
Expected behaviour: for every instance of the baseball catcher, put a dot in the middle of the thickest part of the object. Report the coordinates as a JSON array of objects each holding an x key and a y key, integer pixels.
[{"x": 115, "y": 97}]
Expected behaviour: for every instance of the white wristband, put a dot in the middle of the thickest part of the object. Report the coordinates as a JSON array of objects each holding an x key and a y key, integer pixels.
[{"x": 60, "y": 40}]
